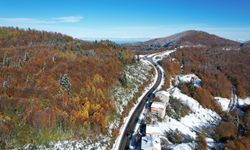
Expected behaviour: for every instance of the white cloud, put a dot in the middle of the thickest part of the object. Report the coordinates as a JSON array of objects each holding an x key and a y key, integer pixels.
[
  {"x": 66, "y": 19},
  {"x": 15, "y": 19},
  {"x": 70, "y": 19}
]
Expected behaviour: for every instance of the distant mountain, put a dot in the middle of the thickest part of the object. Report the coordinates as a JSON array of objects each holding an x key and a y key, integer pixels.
[
  {"x": 189, "y": 38},
  {"x": 246, "y": 44}
]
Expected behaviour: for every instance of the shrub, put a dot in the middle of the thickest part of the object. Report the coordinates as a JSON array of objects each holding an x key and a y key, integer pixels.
[
  {"x": 235, "y": 145},
  {"x": 202, "y": 143},
  {"x": 176, "y": 110},
  {"x": 175, "y": 137},
  {"x": 226, "y": 131}
]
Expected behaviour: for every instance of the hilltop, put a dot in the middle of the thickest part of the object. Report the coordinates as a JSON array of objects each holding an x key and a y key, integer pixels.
[{"x": 189, "y": 38}]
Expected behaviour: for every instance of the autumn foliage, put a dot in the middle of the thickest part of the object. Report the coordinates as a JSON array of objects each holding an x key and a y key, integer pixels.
[
  {"x": 172, "y": 68},
  {"x": 35, "y": 69},
  {"x": 219, "y": 69},
  {"x": 234, "y": 132}
]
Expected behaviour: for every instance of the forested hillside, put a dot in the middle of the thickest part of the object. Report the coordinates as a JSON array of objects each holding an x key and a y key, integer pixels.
[
  {"x": 191, "y": 38},
  {"x": 55, "y": 87},
  {"x": 219, "y": 70}
]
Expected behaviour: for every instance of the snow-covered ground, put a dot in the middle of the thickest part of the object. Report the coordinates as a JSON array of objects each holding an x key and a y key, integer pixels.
[
  {"x": 187, "y": 79},
  {"x": 183, "y": 146},
  {"x": 188, "y": 126},
  {"x": 159, "y": 56},
  {"x": 200, "y": 117},
  {"x": 224, "y": 102},
  {"x": 86, "y": 144},
  {"x": 136, "y": 75}
]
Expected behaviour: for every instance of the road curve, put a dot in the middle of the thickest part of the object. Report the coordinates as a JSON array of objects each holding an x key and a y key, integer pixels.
[{"x": 124, "y": 144}]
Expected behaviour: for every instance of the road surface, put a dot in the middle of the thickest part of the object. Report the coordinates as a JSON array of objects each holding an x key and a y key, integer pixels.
[{"x": 124, "y": 144}]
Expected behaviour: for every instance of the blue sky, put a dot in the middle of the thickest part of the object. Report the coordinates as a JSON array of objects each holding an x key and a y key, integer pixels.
[{"x": 129, "y": 19}]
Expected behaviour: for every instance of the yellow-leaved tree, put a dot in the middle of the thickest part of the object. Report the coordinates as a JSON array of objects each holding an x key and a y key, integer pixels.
[
  {"x": 98, "y": 79},
  {"x": 85, "y": 111}
]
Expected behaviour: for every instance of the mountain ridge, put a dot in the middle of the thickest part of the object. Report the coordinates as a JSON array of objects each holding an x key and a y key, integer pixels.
[{"x": 190, "y": 38}]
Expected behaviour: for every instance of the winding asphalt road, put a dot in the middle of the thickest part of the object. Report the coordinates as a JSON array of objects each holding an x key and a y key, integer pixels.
[{"x": 124, "y": 144}]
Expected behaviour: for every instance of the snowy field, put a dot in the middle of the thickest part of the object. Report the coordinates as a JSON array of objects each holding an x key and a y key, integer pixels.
[
  {"x": 224, "y": 102},
  {"x": 86, "y": 144},
  {"x": 136, "y": 75},
  {"x": 188, "y": 126}
]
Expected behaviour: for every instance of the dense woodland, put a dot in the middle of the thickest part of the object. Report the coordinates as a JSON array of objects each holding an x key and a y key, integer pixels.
[
  {"x": 219, "y": 69},
  {"x": 54, "y": 86}
]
